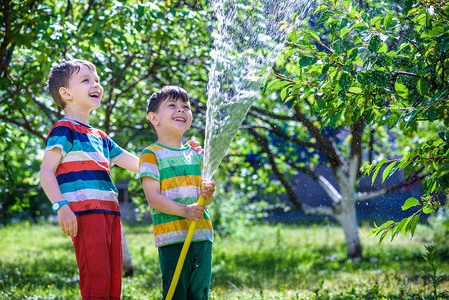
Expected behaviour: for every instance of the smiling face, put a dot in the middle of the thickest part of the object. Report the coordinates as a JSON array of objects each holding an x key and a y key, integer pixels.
[
  {"x": 173, "y": 117},
  {"x": 84, "y": 90}
]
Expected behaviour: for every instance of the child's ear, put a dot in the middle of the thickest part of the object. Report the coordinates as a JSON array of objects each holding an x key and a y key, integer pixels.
[
  {"x": 65, "y": 93},
  {"x": 152, "y": 117}
]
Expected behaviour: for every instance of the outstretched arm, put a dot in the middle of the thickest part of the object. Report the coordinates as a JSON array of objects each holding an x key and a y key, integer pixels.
[
  {"x": 129, "y": 161},
  {"x": 152, "y": 190},
  {"x": 66, "y": 217}
]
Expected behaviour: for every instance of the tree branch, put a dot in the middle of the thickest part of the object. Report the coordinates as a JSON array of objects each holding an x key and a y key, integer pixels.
[
  {"x": 91, "y": 3},
  {"x": 110, "y": 103},
  {"x": 322, "y": 181},
  {"x": 321, "y": 137},
  {"x": 414, "y": 45},
  {"x": 371, "y": 146},
  {"x": 325, "y": 145},
  {"x": 274, "y": 129},
  {"x": 330, "y": 149},
  {"x": 406, "y": 74},
  {"x": 356, "y": 143},
  {"x": 7, "y": 39},
  {"x": 367, "y": 195},
  {"x": 272, "y": 115},
  {"x": 25, "y": 126},
  {"x": 266, "y": 149},
  {"x": 318, "y": 210},
  {"x": 69, "y": 7},
  {"x": 53, "y": 115}
]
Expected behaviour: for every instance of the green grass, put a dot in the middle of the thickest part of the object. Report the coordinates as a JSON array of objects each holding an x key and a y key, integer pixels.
[{"x": 261, "y": 262}]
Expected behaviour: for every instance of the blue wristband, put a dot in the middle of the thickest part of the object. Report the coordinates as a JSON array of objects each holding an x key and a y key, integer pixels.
[{"x": 58, "y": 204}]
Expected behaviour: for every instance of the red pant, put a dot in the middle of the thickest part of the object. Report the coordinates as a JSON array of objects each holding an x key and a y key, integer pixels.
[{"x": 98, "y": 249}]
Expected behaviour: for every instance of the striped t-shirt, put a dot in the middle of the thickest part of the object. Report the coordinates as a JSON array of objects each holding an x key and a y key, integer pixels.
[
  {"x": 179, "y": 173},
  {"x": 83, "y": 174}
]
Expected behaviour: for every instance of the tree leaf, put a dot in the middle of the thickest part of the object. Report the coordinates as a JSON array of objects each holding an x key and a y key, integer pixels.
[
  {"x": 374, "y": 43},
  {"x": 406, "y": 225},
  {"x": 271, "y": 83},
  {"x": 315, "y": 35},
  {"x": 387, "y": 171},
  {"x": 401, "y": 89},
  {"x": 432, "y": 114},
  {"x": 319, "y": 9},
  {"x": 387, "y": 20},
  {"x": 392, "y": 120},
  {"x": 410, "y": 202},
  {"x": 379, "y": 78},
  {"x": 383, "y": 236},
  {"x": 379, "y": 165},
  {"x": 345, "y": 81},
  {"x": 386, "y": 224},
  {"x": 307, "y": 60},
  {"x": 423, "y": 87},
  {"x": 414, "y": 223},
  {"x": 412, "y": 118},
  {"x": 355, "y": 90},
  {"x": 279, "y": 85}
]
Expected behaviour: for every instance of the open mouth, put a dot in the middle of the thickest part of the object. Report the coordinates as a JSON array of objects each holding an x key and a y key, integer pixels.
[
  {"x": 180, "y": 120},
  {"x": 94, "y": 95}
]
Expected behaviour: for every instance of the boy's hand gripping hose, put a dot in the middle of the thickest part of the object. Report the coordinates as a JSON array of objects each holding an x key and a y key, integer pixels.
[{"x": 182, "y": 256}]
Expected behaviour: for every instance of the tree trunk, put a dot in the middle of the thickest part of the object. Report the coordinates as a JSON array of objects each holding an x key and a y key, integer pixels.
[
  {"x": 128, "y": 267},
  {"x": 348, "y": 220},
  {"x": 345, "y": 212}
]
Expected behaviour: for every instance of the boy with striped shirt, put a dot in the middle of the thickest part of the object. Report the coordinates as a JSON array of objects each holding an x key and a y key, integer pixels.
[
  {"x": 75, "y": 175},
  {"x": 171, "y": 178}
]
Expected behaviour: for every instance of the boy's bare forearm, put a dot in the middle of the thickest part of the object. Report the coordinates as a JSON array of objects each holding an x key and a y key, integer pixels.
[
  {"x": 66, "y": 217},
  {"x": 50, "y": 185},
  {"x": 129, "y": 161},
  {"x": 166, "y": 205}
]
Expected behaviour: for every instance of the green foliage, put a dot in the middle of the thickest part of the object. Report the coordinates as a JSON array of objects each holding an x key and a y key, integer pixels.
[
  {"x": 387, "y": 67},
  {"x": 435, "y": 280},
  {"x": 264, "y": 262}
]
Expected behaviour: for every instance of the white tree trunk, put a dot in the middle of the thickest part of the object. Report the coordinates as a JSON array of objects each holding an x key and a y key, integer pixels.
[
  {"x": 346, "y": 213},
  {"x": 348, "y": 220},
  {"x": 128, "y": 267}
]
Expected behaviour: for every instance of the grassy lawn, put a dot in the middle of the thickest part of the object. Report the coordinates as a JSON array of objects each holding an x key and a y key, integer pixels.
[{"x": 261, "y": 262}]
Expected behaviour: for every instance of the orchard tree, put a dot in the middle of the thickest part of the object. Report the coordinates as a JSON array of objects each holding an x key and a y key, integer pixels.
[
  {"x": 137, "y": 48},
  {"x": 359, "y": 89}
]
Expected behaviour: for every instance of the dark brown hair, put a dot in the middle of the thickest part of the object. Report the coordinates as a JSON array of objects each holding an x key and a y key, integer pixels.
[
  {"x": 167, "y": 92},
  {"x": 60, "y": 75}
]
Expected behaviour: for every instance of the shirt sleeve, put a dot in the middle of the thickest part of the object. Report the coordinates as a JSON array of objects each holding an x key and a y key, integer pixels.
[
  {"x": 115, "y": 151},
  {"x": 148, "y": 165},
  {"x": 60, "y": 137}
]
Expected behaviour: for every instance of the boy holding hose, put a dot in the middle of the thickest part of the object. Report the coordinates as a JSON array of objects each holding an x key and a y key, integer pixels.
[{"x": 171, "y": 178}]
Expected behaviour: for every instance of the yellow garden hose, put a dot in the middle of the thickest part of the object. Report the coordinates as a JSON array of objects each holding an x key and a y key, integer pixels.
[{"x": 182, "y": 256}]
